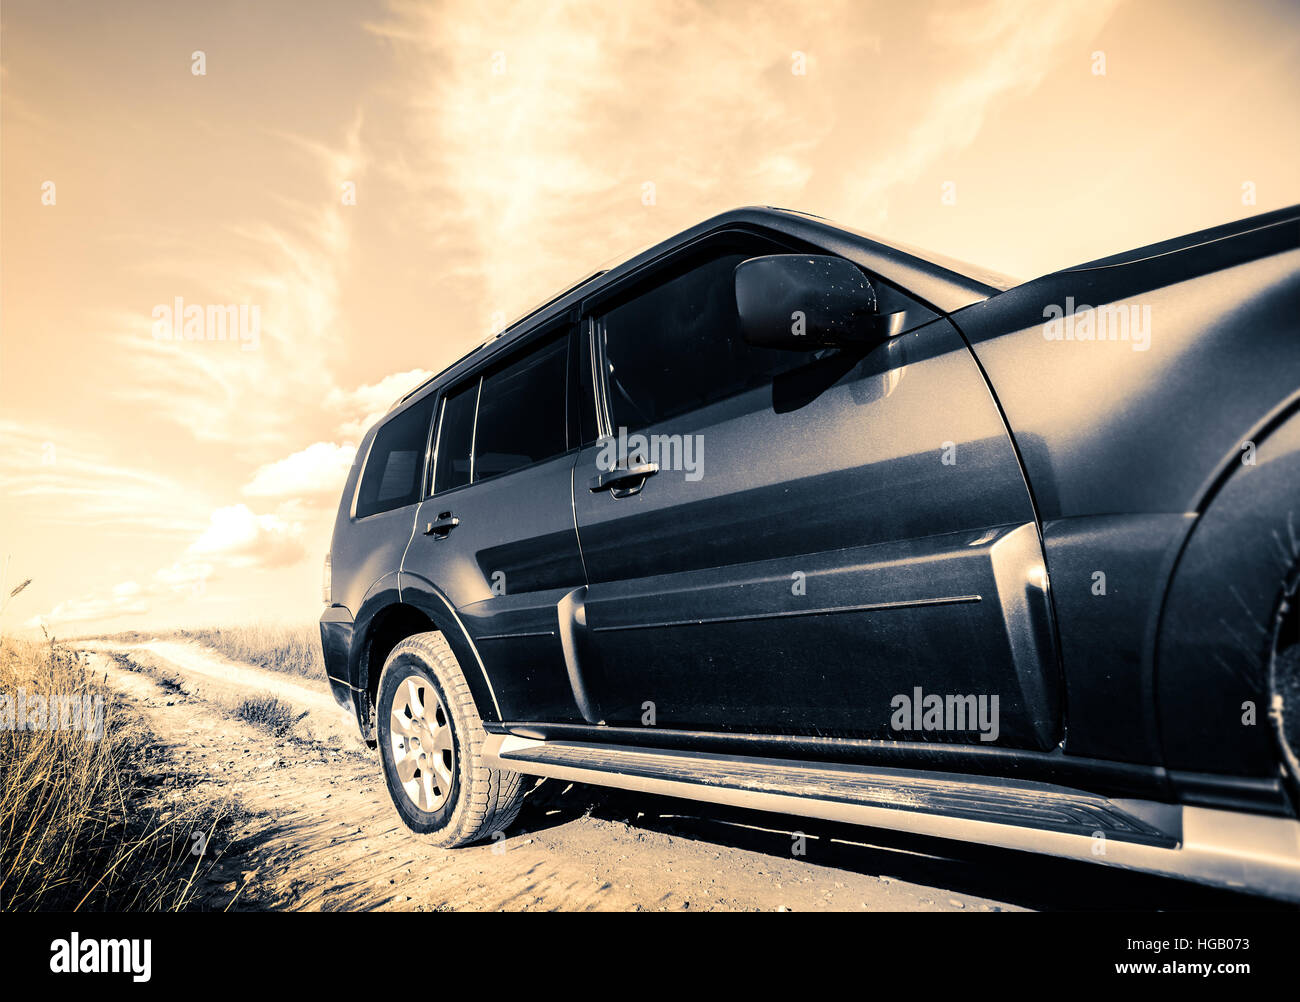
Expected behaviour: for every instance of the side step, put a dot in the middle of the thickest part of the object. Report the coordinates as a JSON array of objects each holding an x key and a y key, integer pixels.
[
  {"x": 727, "y": 778},
  {"x": 1251, "y": 852}
]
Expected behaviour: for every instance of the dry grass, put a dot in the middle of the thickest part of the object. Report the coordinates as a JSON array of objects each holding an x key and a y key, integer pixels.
[
  {"x": 75, "y": 828},
  {"x": 269, "y": 712},
  {"x": 294, "y": 650}
]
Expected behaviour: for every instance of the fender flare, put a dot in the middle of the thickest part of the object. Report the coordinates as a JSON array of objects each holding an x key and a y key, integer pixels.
[
  {"x": 1214, "y": 633},
  {"x": 420, "y": 593}
]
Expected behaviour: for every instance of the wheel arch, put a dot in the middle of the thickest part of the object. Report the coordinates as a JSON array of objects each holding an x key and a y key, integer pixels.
[
  {"x": 427, "y": 601},
  {"x": 388, "y": 625},
  {"x": 1219, "y": 615}
]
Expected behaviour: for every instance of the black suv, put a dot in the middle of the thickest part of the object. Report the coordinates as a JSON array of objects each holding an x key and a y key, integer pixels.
[{"x": 780, "y": 516}]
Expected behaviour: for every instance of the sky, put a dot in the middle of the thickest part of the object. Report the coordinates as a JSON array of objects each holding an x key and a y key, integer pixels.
[{"x": 380, "y": 185}]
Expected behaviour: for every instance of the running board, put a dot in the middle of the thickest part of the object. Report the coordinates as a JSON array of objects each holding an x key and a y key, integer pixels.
[
  {"x": 1251, "y": 852},
  {"x": 817, "y": 786}
]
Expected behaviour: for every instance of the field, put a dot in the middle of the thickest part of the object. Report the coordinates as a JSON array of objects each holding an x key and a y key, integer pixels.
[
  {"x": 80, "y": 825},
  {"x": 237, "y": 783},
  {"x": 294, "y": 650}
]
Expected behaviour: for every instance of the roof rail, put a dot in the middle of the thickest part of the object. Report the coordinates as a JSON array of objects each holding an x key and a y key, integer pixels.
[{"x": 497, "y": 335}]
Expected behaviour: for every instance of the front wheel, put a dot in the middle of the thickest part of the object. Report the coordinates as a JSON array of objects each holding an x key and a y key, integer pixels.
[{"x": 431, "y": 747}]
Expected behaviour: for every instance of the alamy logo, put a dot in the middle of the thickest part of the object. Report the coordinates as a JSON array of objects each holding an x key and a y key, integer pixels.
[
  {"x": 78, "y": 712},
  {"x": 932, "y": 712},
  {"x": 1113, "y": 322},
  {"x": 75, "y": 955},
  {"x": 670, "y": 452},
  {"x": 215, "y": 322}
]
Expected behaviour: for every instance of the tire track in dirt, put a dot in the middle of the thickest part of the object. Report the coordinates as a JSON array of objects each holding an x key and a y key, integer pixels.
[{"x": 312, "y": 828}]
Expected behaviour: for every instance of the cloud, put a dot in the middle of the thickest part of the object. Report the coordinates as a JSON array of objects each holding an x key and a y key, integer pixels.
[
  {"x": 129, "y": 598},
  {"x": 991, "y": 50},
  {"x": 312, "y": 474},
  {"x": 240, "y": 538},
  {"x": 287, "y": 256},
  {"x": 184, "y": 576},
  {"x": 125, "y": 599},
  {"x": 362, "y": 407},
  {"x": 574, "y": 107},
  {"x": 235, "y": 538},
  {"x": 60, "y": 479}
]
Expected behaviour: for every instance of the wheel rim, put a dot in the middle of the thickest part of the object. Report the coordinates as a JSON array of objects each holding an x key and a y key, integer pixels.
[{"x": 424, "y": 755}]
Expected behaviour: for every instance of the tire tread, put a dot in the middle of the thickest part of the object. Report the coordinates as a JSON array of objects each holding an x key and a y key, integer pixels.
[{"x": 490, "y": 798}]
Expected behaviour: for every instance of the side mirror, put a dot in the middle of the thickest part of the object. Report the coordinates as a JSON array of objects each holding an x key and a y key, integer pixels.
[{"x": 803, "y": 301}]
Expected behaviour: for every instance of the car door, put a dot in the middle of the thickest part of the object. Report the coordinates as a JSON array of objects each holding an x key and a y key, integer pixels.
[
  {"x": 809, "y": 543},
  {"x": 496, "y": 535}
]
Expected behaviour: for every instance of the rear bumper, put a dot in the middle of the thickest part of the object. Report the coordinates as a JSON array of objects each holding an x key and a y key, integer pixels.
[{"x": 336, "y": 644}]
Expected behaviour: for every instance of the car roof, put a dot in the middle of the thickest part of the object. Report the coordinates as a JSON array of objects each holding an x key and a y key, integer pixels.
[
  {"x": 1231, "y": 229},
  {"x": 939, "y": 282}
]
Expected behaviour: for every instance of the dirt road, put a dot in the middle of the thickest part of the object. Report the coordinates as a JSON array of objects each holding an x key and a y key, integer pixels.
[{"x": 307, "y": 825}]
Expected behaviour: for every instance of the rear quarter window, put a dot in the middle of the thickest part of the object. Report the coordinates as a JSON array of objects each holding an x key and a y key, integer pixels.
[{"x": 395, "y": 466}]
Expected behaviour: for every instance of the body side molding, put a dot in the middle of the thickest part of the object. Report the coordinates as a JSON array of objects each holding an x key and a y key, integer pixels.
[
  {"x": 1022, "y": 584},
  {"x": 571, "y": 612}
]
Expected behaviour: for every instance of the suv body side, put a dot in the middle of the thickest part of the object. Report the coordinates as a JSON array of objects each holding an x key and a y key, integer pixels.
[
  {"x": 667, "y": 560},
  {"x": 574, "y": 608}
]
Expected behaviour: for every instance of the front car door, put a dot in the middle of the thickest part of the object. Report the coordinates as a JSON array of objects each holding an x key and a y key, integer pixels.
[{"x": 830, "y": 540}]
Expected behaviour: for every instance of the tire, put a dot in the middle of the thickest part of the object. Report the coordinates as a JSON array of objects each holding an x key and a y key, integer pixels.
[{"x": 431, "y": 748}]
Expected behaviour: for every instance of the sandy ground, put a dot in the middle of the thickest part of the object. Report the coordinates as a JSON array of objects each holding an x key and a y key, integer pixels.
[{"x": 307, "y": 825}]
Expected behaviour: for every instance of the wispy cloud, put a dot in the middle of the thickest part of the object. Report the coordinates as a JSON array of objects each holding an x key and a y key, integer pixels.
[
  {"x": 301, "y": 490},
  {"x": 986, "y": 53},
  {"x": 125, "y": 599},
  {"x": 573, "y": 108},
  {"x": 60, "y": 480},
  {"x": 288, "y": 261}
]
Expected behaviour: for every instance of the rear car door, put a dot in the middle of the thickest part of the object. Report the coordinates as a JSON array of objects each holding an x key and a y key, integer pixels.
[
  {"x": 496, "y": 536},
  {"x": 828, "y": 537}
]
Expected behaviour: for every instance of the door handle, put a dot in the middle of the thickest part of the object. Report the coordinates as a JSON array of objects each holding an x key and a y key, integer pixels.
[
  {"x": 445, "y": 523},
  {"x": 621, "y": 477}
]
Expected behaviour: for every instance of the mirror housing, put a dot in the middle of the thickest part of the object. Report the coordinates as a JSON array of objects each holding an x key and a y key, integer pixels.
[{"x": 800, "y": 302}]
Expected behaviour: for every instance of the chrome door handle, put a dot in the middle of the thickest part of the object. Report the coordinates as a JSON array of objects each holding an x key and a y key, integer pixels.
[
  {"x": 444, "y": 524},
  {"x": 625, "y": 476}
]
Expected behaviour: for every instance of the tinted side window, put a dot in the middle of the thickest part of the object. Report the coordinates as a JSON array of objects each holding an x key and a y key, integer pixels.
[
  {"x": 678, "y": 346},
  {"x": 396, "y": 462},
  {"x": 456, "y": 439},
  {"x": 522, "y": 412}
]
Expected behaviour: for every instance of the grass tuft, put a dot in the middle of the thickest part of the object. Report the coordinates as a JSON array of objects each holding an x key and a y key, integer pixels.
[{"x": 269, "y": 712}]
